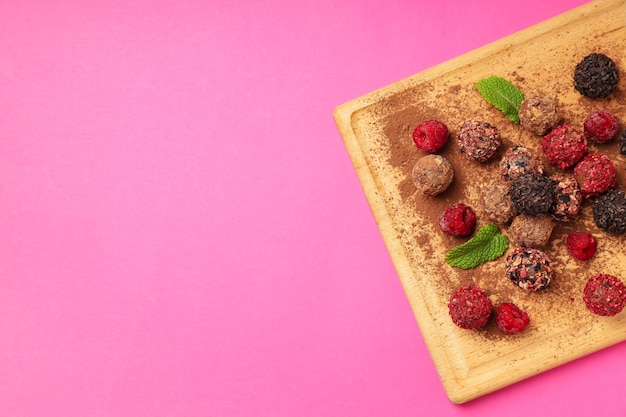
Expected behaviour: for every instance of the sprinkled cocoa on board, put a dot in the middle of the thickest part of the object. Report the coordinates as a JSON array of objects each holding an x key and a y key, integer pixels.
[
  {"x": 564, "y": 146},
  {"x": 596, "y": 76},
  {"x": 531, "y": 231},
  {"x": 532, "y": 193},
  {"x": 595, "y": 174},
  {"x": 518, "y": 160},
  {"x": 538, "y": 114},
  {"x": 497, "y": 204},
  {"x": 609, "y": 212},
  {"x": 529, "y": 269},
  {"x": 478, "y": 141},
  {"x": 605, "y": 295},
  {"x": 432, "y": 174},
  {"x": 568, "y": 199}
]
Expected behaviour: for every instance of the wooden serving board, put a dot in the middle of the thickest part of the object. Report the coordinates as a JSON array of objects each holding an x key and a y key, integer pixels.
[{"x": 376, "y": 130}]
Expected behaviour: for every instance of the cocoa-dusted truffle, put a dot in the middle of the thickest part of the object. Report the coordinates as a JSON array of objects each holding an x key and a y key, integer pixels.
[
  {"x": 432, "y": 174},
  {"x": 605, "y": 295},
  {"x": 609, "y": 212},
  {"x": 532, "y": 193},
  {"x": 531, "y": 231},
  {"x": 538, "y": 114},
  {"x": 478, "y": 141},
  {"x": 518, "y": 160},
  {"x": 596, "y": 76},
  {"x": 595, "y": 174},
  {"x": 564, "y": 146},
  {"x": 497, "y": 204},
  {"x": 568, "y": 199},
  {"x": 529, "y": 268}
]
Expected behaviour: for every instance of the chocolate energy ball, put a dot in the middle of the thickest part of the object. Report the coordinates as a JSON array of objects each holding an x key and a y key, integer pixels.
[
  {"x": 519, "y": 160},
  {"x": 622, "y": 143},
  {"x": 609, "y": 212},
  {"x": 432, "y": 174},
  {"x": 538, "y": 114},
  {"x": 595, "y": 174},
  {"x": 497, "y": 204},
  {"x": 564, "y": 146},
  {"x": 469, "y": 307},
  {"x": 532, "y": 193},
  {"x": 605, "y": 295},
  {"x": 531, "y": 231},
  {"x": 529, "y": 269},
  {"x": 478, "y": 141},
  {"x": 568, "y": 199},
  {"x": 596, "y": 76}
]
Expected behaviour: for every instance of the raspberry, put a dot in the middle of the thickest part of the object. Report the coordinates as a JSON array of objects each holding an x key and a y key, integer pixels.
[
  {"x": 430, "y": 136},
  {"x": 564, "y": 146},
  {"x": 457, "y": 220},
  {"x": 511, "y": 319},
  {"x": 469, "y": 307},
  {"x": 604, "y": 295},
  {"x": 581, "y": 246},
  {"x": 601, "y": 126}
]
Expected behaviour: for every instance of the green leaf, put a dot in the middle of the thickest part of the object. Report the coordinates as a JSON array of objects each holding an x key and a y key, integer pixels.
[
  {"x": 501, "y": 94},
  {"x": 486, "y": 246}
]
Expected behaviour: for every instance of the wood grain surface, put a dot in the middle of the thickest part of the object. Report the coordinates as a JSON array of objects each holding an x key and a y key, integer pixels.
[{"x": 376, "y": 130}]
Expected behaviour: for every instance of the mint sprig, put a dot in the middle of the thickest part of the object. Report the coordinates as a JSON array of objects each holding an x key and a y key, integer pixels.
[
  {"x": 501, "y": 94},
  {"x": 487, "y": 245}
]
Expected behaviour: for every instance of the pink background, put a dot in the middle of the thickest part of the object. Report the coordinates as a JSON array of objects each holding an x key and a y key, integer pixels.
[{"x": 183, "y": 232}]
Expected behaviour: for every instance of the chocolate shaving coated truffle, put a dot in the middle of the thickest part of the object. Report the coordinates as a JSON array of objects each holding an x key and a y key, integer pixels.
[
  {"x": 532, "y": 193},
  {"x": 478, "y": 141},
  {"x": 517, "y": 161},
  {"x": 596, "y": 76},
  {"x": 622, "y": 143},
  {"x": 609, "y": 212}
]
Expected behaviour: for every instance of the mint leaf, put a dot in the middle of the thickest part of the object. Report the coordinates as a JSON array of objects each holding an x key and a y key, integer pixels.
[
  {"x": 501, "y": 94},
  {"x": 487, "y": 245}
]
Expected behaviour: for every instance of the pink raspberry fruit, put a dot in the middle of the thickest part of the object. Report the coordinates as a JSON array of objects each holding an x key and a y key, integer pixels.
[
  {"x": 458, "y": 220},
  {"x": 430, "y": 136},
  {"x": 511, "y": 319}
]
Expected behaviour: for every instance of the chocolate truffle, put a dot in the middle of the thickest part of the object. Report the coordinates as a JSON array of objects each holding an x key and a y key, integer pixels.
[
  {"x": 469, "y": 307},
  {"x": 596, "y": 76},
  {"x": 532, "y": 193},
  {"x": 564, "y": 146},
  {"x": 478, "y": 141},
  {"x": 538, "y": 114},
  {"x": 622, "y": 143},
  {"x": 432, "y": 174},
  {"x": 531, "y": 231},
  {"x": 568, "y": 199},
  {"x": 529, "y": 269},
  {"x": 518, "y": 160},
  {"x": 609, "y": 212},
  {"x": 497, "y": 204},
  {"x": 595, "y": 174}
]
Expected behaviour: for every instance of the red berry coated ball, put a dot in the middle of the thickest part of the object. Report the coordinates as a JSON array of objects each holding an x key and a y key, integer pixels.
[
  {"x": 469, "y": 307},
  {"x": 457, "y": 220},
  {"x": 581, "y": 246},
  {"x": 430, "y": 136},
  {"x": 564, "y": 146},
  {"x": 511, "y": 319},
  {"x": 601, "y": 126},
  {"x": 595, "y": 174},
  {"x": 605, "y": 295}
]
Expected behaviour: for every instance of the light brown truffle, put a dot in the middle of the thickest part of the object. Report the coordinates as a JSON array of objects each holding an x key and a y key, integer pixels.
[
  {"x": 531, "y": 231},
  {"x": 432, "y": 174},
  {"x": 538, "y": 114},
  {"x": 497, "y": 204}
]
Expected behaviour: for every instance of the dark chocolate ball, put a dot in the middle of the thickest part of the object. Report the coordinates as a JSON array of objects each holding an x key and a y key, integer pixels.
[
  {"x": 609, "y": 212},
  {"x": 533, "y": 193},
  {"x": 596, "y": 76}
]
